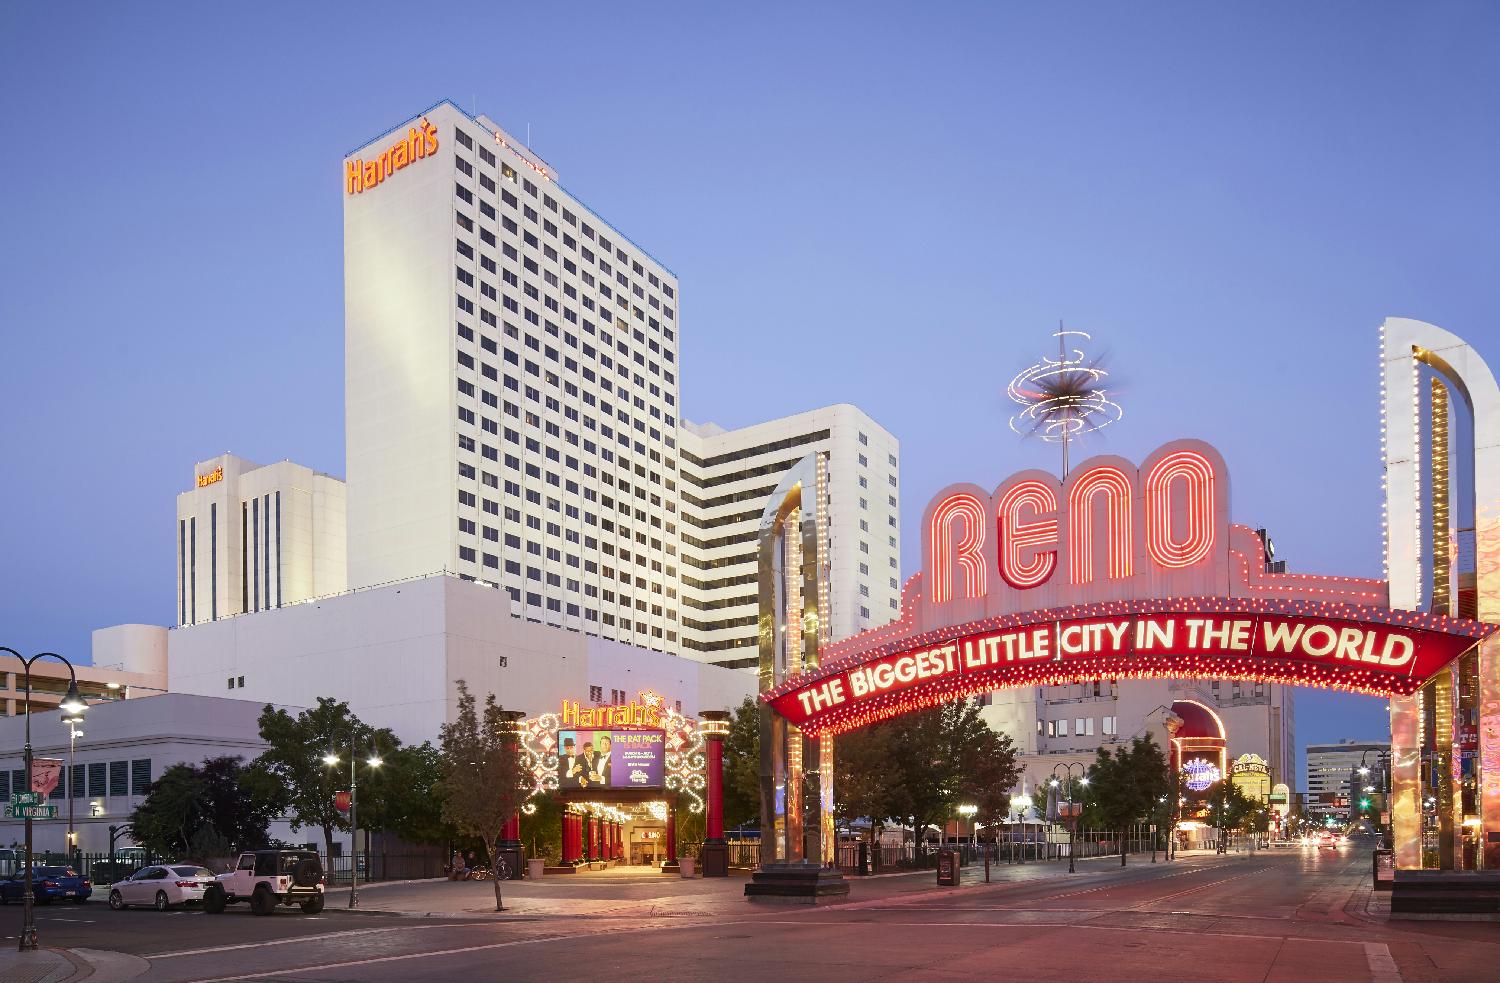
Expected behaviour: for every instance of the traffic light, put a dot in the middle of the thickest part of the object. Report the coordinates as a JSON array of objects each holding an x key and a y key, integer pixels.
[{"x": 1364, "y": 803}]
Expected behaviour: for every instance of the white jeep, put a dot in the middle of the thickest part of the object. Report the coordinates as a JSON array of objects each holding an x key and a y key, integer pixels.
[{"x": 268, "y": 878}]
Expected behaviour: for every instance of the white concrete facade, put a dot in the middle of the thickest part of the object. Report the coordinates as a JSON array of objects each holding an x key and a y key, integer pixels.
[
  {"x": 253, "y": 537},
  {"x": 1329, "y": 765},
  {"x": 125, "y": 746},
  {"x": 394, "y": 653},
  {"x": 727, "y": 478},
  {"x": 511, "y": 387}
]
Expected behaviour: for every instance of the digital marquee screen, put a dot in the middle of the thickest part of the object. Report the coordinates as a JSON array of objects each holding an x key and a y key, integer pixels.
[{"x": 611, "y": 759}]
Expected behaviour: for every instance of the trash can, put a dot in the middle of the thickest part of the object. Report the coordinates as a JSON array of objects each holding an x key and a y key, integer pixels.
[
  {"x": 947, "y": 867},
  {"x": 1384, "y": 869}
]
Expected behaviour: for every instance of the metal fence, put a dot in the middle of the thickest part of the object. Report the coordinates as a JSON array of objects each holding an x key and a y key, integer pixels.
[{"x": 1016, "y": 843}]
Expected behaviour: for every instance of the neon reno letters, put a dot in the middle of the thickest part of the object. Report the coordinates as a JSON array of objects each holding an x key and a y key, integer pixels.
[
  {"x": 1364, "y": 650},
  {"x": 420, "y": 141},
  {"x": 1115, "y": 522}
]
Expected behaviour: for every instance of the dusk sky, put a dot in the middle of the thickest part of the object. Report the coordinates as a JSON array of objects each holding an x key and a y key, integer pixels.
[{"x": 888, "y": 205}]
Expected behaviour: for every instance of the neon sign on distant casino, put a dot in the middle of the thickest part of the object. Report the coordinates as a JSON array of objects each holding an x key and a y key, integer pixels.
[{"x": 1201, "y": 773}]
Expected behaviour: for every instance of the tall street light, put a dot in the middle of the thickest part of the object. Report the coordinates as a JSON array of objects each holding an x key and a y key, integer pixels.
[
  {"x": 374, "y": 761},
  {"x": 1067, "y": 782},
  {"x": 73, "y": 708},
  {"x": 73, "y": 735}
]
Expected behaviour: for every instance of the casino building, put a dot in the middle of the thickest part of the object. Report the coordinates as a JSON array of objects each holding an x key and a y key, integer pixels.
[{"x": 523, "y": 505}]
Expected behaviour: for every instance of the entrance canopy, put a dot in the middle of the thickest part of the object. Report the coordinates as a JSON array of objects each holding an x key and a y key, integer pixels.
[{"x": 1116, "y": 573}]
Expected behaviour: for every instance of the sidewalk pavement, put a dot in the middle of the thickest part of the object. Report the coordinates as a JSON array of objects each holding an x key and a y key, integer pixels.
[
  {"x": 69, "y": 965},
  {"x": 642, "y": 892}
]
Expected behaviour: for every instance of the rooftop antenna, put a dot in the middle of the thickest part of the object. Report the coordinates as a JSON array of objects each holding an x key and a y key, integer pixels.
[{"x": 1063, "y": 398}]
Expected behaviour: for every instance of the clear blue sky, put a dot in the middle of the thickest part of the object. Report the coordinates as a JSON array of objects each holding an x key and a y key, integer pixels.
[{"x": 885, "y": 204}]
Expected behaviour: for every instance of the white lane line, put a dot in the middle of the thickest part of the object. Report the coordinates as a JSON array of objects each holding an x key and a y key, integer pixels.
[
  {"x": 1383, "y": 967},
  {"x": 404, "y": 927},
  {"x": 428, "y": 954}
]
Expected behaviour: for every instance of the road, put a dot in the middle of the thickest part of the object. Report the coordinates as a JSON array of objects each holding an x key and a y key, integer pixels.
[{"x": 1279, "y": 915}]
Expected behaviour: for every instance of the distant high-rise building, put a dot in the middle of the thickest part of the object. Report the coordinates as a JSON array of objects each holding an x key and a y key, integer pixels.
[
  {"x": 253, "y": 537},
  {"x": 727, "y": 478}
]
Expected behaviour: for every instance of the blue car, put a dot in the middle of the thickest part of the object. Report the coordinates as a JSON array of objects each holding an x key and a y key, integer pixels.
[{"x": 48, "y": 884}]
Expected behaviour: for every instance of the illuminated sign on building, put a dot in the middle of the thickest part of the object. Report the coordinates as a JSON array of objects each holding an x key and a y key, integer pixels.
[
  {"x": 1199, "y": 774},
  {"x": 420, "y": 141},
  {"x": 216, "y": 475},
  {"x": 646, "y": 713},
  {"x": 610, "y": 758},
  {"x": 1116, "y": 572}
]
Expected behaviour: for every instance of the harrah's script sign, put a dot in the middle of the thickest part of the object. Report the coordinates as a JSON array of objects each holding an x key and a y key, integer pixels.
[
  {"x": 420, "y": 141},
  {"x": 1117, "y": 572}
]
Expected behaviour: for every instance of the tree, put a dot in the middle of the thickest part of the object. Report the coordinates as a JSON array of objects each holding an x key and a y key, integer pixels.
[
  {"x": 199, "y": 812},
  {"x": 293, "y": 760},
  {"x": 486, "y": 777},
  {"x": 742, "y": 766},
  {"x": 405, "y": 800},
  {"x": 1126, "y": 787},
  {"x": 920, "y": 766}
]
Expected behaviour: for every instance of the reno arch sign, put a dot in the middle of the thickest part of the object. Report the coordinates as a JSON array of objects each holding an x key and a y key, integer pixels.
[{"x": 1116, "y": 572}]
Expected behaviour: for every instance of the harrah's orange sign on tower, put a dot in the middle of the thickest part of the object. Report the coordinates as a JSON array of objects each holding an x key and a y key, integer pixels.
[{"x": 420, "y": 141}]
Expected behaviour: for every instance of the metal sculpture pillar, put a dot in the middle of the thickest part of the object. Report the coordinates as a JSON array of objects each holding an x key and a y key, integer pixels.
[
  {"x": 1441, "y": 446},
  {"x": 798, "y": 845}
]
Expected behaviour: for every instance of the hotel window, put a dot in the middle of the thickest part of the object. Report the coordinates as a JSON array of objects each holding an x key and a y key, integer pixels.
[
  {"x": 1051, "y": 727},
  {"x": 596, "y": 695},
  {"x": 1062, "y": 728},
  {"x": 119, "y": 778},
  {"x": 213, "y": 561},
  {"x": 97, "y": 779}
]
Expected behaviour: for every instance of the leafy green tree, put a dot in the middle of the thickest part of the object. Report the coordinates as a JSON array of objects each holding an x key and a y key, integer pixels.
[
  {"x": 919, "y": 767},
  {"x": 403, "y": 796},
  {"x": 742, "y": 767},
  {"x": 203, "y": 811},
  {"x": 294, "y": 760},
  {"x": 1125, "y": 788},
  {"x": 485, "y": 778}
]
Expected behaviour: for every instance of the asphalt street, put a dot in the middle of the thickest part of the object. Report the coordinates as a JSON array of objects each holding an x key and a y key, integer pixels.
[{"x": 1278, "y": 915}]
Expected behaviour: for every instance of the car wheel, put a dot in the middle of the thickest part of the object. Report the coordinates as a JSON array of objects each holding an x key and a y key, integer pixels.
[
  {"x": 162, "y": 903},
  {"x": 262, "y": 902},
  {"x": 115, "y": 901},
  {"x": 214, "y": 900},
  {"x": 313, "y": 905}
]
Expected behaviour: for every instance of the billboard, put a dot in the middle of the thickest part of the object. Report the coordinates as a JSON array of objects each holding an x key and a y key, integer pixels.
[{"x": 606, "y": 759}]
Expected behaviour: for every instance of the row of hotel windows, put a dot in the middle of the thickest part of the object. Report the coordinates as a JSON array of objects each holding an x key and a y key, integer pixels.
[
  {"x": 617, "y": 697},
  {"x": 651, "y": 347},
  {"x": 260, "y": 529},
  {"x": 513, "y": 357},
  {"x": 507, "y": 173},
  {"x": 1082, "y": 727},
  {"x": 96, "y": 779}
]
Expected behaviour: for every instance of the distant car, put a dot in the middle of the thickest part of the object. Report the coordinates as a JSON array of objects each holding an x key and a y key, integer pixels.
[
  {"x": 48, "y": 884},
  {"x": 1328, "y": 842},
  {"x": 161, "y": 886},
  {"x": 268, "y": 878}
]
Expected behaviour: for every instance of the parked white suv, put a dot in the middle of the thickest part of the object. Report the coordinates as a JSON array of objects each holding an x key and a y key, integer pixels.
[{"x": 268, "y": 878}]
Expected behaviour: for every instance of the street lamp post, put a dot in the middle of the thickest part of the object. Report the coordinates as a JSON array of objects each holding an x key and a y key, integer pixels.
[
  {"x": 374, "y": 761},
  {"x": 73, "y": 708},
  {"x": 73, "y": 735},
  {"x": 1067, "y": 776}
]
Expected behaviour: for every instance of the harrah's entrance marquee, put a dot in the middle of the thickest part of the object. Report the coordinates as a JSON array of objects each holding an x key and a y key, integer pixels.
[{"x": 1117, "y": 572}]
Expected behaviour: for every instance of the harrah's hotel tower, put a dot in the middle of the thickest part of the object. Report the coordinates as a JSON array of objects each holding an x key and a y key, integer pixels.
[{"x": 512, "y": 411}]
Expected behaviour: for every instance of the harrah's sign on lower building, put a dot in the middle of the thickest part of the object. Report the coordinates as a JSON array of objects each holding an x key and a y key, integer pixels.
[
  {"x": 1118, "y": 571},
  {"x": 420, "y": 141}
]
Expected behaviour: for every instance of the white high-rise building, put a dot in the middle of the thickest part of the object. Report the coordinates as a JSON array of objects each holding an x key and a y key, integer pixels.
[
  {"x": 254, "y": 537},
  {"x": 1330, "y": 765},
  {"x": 728, "y": 476},
  {"x": 511, "y": 384}
]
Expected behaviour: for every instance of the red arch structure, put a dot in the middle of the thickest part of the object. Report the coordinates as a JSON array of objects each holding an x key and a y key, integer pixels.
[{"x": 1118, "y": 572}]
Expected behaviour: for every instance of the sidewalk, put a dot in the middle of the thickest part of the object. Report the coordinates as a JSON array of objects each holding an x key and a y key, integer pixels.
[
  {"x": 68, "y": 965},
  {"x": 645, "y": 893}
]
